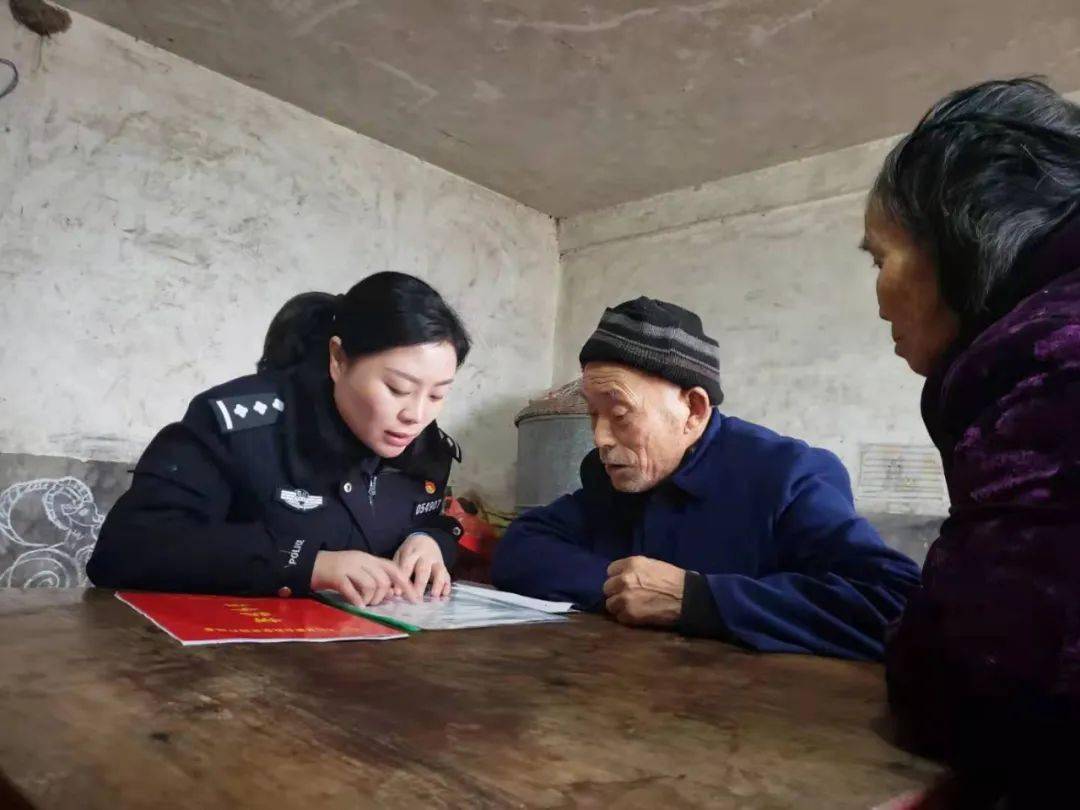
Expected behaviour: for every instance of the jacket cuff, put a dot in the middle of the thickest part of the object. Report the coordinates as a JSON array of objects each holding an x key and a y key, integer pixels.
[
  {"x": 297, "y": 567},
  {"x": 445, "y": 531},
  {"x": 700, "y": 615}
]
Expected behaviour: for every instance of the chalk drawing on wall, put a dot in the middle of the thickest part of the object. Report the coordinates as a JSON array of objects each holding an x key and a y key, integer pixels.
[{"x": 50, "y": 563}]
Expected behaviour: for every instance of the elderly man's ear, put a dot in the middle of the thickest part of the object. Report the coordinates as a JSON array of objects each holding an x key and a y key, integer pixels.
[{"x": 699, "y": 407}]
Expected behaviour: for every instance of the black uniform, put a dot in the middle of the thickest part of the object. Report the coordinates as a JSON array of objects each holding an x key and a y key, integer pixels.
[{"x": 258, "y": 477}]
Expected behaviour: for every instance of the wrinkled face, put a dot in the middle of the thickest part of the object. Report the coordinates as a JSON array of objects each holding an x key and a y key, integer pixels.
[
  {"x": 908, "y": 293},
  {"x": 388, "y": 399},
  {"x": 642, "y": 425}
]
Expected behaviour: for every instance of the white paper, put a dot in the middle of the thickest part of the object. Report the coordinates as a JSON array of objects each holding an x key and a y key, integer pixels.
[
  {"x": 514, "y": 598},
  {"x": 460, "y": 611}
]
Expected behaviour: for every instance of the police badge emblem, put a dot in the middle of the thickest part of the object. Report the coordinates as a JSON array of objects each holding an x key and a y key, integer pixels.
[{"x": 300, "y": 500}]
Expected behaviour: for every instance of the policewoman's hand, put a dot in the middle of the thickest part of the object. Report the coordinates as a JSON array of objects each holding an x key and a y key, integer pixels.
[
  {"x": 420, "y": 558},
  {"x": 362, "y": 578}
]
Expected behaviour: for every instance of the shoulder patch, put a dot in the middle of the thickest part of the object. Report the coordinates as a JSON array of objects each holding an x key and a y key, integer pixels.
[
  {"x": 246, "y": 411},
  {"x": 453, "y": 447}
]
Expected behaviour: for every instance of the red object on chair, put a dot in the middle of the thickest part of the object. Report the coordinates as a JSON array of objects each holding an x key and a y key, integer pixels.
[{"x": 476, "y": 546}]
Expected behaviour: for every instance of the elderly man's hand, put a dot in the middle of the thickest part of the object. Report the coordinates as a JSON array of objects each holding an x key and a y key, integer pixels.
[{"x": 642, "y": 591}]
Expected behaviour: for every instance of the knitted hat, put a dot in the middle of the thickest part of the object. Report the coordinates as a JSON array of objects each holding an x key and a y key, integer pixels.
[{"x": 661, "y": 339}]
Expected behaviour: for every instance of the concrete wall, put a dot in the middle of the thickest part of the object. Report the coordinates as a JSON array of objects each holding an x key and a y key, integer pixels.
[
  {"x": 769, "y": 261},
  {"x": 154, "y": 215}
]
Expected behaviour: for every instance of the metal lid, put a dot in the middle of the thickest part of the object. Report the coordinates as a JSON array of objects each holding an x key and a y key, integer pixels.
[{"x": 566, "y": 400}]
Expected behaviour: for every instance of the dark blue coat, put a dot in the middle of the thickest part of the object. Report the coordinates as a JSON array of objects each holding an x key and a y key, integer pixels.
[
  {"x": 768, "y": 521},
  {"x": 260, "y": 475}
]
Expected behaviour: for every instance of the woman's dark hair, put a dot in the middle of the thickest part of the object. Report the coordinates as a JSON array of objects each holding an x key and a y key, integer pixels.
[
  {"x": 988, "y": 172},
  {"x": 383, "y": 311}
]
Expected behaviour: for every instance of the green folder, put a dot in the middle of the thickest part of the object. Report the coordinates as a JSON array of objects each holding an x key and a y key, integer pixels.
[{"x": 341, "y": 603}]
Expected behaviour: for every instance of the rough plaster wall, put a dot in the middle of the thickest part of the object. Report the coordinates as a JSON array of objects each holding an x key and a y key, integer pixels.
[
  {"x": 154, "y": 215},
  {"x": 769, "y": 261}
]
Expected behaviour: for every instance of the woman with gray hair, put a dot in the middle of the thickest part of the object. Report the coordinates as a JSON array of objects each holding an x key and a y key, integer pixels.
[{"x": 974, "y": 226}]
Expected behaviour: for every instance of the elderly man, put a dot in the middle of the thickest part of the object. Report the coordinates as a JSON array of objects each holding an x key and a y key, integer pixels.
[{"x": 694, "y": 520}]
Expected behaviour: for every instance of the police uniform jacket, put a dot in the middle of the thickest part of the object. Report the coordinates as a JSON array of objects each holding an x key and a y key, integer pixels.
[{"x": 258, "y": 477}]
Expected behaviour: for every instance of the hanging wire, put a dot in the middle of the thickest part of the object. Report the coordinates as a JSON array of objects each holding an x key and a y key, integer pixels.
[{"x": 14, "y": 77}]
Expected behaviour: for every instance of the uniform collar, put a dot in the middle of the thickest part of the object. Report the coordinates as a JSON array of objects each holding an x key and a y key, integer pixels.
[
  {"x": 369, "y": 464},
  {"x": 321, "y": 448},
  {"x": 693, "y": 477}
]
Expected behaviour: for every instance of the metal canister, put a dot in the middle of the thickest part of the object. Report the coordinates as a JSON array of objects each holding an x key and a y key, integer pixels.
[{"x": 554, "y": 435}]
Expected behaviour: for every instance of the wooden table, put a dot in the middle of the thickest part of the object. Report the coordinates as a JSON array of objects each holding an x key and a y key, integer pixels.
[{"x": 102, "y": 710}]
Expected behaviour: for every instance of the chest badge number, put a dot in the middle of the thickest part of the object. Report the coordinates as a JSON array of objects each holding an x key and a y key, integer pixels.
[
  {"x": 300, "y": 500},
  {"x": 427, "y": 507}
]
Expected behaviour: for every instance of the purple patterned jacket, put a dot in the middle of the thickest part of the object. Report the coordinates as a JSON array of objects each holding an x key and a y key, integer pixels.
[{"x": 985, "y": 664}]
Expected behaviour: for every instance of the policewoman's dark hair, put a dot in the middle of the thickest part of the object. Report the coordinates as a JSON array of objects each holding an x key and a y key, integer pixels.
[
  {"x": 986, "y": 175},
  {"x": 383, "y": 311}
]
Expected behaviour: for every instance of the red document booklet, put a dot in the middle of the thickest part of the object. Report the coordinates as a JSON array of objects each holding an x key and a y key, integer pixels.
[{"x": 198, "y": 619}]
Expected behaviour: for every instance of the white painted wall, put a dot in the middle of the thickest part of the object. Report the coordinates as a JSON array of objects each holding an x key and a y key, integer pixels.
[
  {"x": 770, "y": 262},
  {"x": 154, "y": 215}
]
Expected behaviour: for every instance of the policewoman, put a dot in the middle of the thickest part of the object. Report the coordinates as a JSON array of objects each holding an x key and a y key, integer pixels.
[{"x": 324, "y": 470}]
